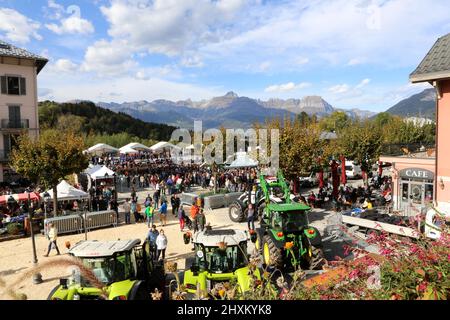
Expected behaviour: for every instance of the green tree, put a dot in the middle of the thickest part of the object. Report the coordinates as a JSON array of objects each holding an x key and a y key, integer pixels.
[
  {"x": 51, "y": 157},
  {"x": 336, "y": 121},
  {"x": 361, "y": 142}
]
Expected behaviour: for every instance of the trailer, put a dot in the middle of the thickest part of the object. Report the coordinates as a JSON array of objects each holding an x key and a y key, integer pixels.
[{"x": 371, "y": 221}]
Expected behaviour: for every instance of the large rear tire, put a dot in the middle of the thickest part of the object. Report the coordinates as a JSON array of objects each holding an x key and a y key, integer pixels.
[
  {"x": 236, "y": 213},
  {"x": 317, "y": 259},
  {"x": 140, "y": 293},
  {"x": 272, "y": 256}
]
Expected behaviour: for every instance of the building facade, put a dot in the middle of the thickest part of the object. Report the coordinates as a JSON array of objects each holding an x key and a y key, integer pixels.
[
  {"x": 18, "y": 100},
  {"x": 435, "y": 69}
]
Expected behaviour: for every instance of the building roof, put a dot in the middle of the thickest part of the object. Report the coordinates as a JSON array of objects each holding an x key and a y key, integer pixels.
[
  {"x": 94, "y": 248},
  {"x": 8, "y": 50},
  {"x": 436, "y": 64},
  {"x": 211, "y": 238}
]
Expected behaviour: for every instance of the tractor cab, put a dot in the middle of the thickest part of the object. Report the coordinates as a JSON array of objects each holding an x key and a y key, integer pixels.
[
  {"x": 125, "y": 269},
  {"x": 220, "y": 251},
  {"x": 220, "y": 257}
]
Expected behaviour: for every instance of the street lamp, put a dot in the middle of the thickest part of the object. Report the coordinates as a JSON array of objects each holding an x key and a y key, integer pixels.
[{"x": 37, "y": 277}]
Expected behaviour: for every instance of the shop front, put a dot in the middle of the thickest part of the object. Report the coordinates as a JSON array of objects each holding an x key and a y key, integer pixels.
[
  {"x": 416, "y": 187},
  {"x": 413, "y": 189}
]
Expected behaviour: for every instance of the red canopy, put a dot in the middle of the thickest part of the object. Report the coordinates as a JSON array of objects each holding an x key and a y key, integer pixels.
[
  {"x": 335, "y": 177},
  {"x": 34, "y": 196},
  {"x": 343, "y": 173},
  {"x": 321, "y": 184}
]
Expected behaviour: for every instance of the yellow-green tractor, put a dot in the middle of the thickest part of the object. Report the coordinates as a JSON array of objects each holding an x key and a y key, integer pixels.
[
  {"x": 220, "y": 259},
  {"x": 126, "y": 269}
]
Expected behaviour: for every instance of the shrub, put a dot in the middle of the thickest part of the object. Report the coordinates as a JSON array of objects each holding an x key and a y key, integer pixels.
[{"x": 14, "y": 228}]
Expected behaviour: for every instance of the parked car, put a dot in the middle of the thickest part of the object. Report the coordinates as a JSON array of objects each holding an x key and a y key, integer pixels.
[
  {"x": 309, "y": 181},
  {"x": 352, "y": 170}
]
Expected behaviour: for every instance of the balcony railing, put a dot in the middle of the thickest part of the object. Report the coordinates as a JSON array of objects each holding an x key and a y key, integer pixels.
[
  {"x": 10, "y": 124},
  {"x": 408, "y": 149}
]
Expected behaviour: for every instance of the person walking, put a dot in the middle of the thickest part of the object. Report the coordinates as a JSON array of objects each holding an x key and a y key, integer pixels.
[
  {"x": 151, "y": 237},
  {"x": 156, "y": 197},
  {"x": 127, "y": 208},
  {"x": 163, "y": 213},
  {"x": 194, "y": 211},
  {"x": 181, "y": 217},
  {"x": 201, "y": 220},
  {"x": 52, "y": 237},
  {"x": 161, "y": 245},
  {"x": 149, "y": 210},
  {"x": 251, "y": 217}
]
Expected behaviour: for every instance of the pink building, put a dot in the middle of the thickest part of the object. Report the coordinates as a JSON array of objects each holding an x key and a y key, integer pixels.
[
  {"x": 419, "y": 175},
  {"x": 18, "y": 99}
]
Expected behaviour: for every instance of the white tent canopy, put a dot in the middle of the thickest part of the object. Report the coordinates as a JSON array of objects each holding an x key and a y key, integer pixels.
[
  {"x": 128, "y": 150},
  {"x": 160, "y": 146},
  {"x": 243, "y": 160},
  {"x": 67, "y": 192},
  {"x": 137, "y": 146},
  {"x": 101, "y": 148},
  {"x": 99, "y": 173}
]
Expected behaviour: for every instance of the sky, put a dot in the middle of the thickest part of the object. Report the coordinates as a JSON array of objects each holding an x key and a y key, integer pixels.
[{"x": 353, "y": 53}]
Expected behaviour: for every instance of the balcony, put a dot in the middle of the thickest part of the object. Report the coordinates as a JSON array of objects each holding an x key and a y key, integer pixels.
[{"x": 15, "y": 124}]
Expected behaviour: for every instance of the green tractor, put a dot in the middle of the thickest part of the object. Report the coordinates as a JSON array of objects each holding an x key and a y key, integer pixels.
[
  {"x": 220, "y": 258},
  {"x": 125, "y": 268},
  {"x": 284, "y": 239}
]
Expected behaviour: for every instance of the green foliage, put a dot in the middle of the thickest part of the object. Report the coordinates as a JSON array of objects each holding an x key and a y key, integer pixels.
[
  {"x": 335, "y": 122},
  {"x": 361, "y": 142},
  {"x": 55, "y": 155},
  {"x": 14, "y": 228},
  {"x": 88, "y": 119}
]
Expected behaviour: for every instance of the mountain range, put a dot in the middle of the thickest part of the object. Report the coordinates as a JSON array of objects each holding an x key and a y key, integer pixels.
[
  {"x": 421, "y": 105},
  {"x": 230, "y": 110}
]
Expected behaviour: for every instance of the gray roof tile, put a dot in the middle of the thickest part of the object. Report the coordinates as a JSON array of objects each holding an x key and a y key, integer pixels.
[
  {"x": 436, "y": 64},
  {"x": 8, "y": 50}
]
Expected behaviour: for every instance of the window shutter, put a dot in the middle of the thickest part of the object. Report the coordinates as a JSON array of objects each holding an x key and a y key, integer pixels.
[
  {"x": 23, "y": 90},
  {"x": 3, "y": 84}
]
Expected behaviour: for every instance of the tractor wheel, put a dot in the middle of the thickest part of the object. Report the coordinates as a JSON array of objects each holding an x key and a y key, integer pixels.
[
  {"x": 317, "y": 259},
  {"x": 272, "y": 256},
  {"x": 140, "y": 293},
  {"x": 50, "y": 296},
  {"x": 236, "y": 213}
]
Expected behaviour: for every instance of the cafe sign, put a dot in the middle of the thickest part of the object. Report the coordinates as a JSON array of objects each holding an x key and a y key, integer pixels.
[{"x": 415, "y": 173}]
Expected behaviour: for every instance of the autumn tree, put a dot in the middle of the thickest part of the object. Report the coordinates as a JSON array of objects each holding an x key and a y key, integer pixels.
[
  {"x": 361, "y": 142},
  {"x": 51, "y": 157}
]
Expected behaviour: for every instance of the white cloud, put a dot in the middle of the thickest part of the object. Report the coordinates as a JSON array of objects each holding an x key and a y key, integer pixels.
[
  {"x": 192, "y": 62},
  {"x": 301, "y": 60},
  {"x": 66, "y": 65},
  {"x": 108, "y": 58},
  {"x": 264, "y": 66},
  {"x": 340, "y": 88},
  {"x": 125, "y": 88},
  {"x": 290, "y": 86},
  {"x": 72, "y": 25},
  {"x": 354, "y": 62},
  {"x": 363, "y": 83},
  {"x": 16, "y": 27},
  {"x": 171, "y": 26}
]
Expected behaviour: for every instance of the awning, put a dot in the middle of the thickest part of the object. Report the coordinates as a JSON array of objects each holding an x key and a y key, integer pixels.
[
  {"x": 99, "y": 173},
  {"x": 67, "y": 192},
  {"x": 243, "y": 160},
  {"x": 34, "y": 196},
  {"x": 137, "y": 146},
  {"x": 101, "y": 148}
]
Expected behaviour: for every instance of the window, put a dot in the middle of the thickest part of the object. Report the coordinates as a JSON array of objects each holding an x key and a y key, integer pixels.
[{"x": 13, "y": 85}]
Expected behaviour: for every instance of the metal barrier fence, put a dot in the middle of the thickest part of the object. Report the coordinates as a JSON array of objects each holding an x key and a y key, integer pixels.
[
  {"x": 101, "y": 219},
  {"x": 65, "y": 224},
  {"x": 75, "y": 222}
]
